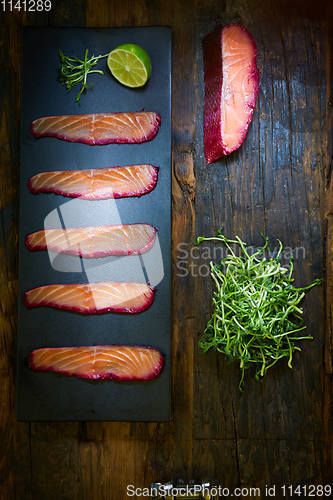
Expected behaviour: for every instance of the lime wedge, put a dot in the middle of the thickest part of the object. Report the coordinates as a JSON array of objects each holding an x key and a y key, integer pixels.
[{"x": 130, "y": 65}]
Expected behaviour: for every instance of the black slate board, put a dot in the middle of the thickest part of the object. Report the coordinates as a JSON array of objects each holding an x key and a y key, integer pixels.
[{"x": 52, "y": 397}]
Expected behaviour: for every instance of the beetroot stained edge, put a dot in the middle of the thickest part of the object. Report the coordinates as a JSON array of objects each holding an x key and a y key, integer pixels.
[
  {"x": 99, "y": 142},
  {"x": 92, "y": 310},
  {"x": 212, "y": 43},
  {"x": 110, "y": 376},
  {"x": 132, "y": 194},
  {"x": 92, "y": 255}
]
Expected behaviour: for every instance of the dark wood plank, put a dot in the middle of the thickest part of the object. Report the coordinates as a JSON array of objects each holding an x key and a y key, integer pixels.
[
  {"x": 14, "y": 437},
  {"x": 279, "y": 462},
  {"x": 55, "y": 466},
  {"x": 280, "y": 182},
  {"x": 275, "y": 184},
  {"x": 328, "y": 251}
]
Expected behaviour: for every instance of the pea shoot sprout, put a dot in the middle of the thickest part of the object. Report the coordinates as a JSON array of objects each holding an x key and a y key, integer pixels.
[
  {"x": 75, "y": 71},
  {"x": 257, "y": 317}
]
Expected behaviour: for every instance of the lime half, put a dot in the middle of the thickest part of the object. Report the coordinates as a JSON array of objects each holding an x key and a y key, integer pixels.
[{"x": 130, "y": 65}]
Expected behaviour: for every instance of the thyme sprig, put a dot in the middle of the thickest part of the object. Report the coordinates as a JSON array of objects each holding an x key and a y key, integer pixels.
[
  {"x": 257, "y": 318},
  {"x": 75, "y": 71}
]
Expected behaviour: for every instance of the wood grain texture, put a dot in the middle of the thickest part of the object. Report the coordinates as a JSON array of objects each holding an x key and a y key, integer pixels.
[
  {"x": 328, "y": 161},
  {"x": 279, "y": 181}
]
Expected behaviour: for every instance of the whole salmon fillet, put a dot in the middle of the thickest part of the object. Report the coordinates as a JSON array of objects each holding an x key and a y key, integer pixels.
[
  {"x": 231, "y": 89},
  {"x": 93, "y": 242},
  {"x": 98, "y": 183},
  {"x": 93, "y": 298},
  {"x": 104, "y": 362},
  {"x": 99, "y": 128}
]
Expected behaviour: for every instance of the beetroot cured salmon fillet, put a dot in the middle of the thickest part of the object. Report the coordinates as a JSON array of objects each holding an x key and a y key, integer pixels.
[
  {"x": 93, "y": 242},
  {"x": 100, "y": 362},
  {"x": 231, "y": 89},
  {"x": 98, "y": 183},
  {"x": 93, "y": 298},
  {"x": 100, "y": 128}
]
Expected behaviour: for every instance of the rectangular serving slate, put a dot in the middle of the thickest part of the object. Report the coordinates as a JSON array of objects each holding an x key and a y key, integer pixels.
[{"x": 52, "y": 397}]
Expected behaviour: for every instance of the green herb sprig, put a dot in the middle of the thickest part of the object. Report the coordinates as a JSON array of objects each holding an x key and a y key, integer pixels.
[
  {"x": 256, "y": 316},
  {"x": 75, "y": 71}
]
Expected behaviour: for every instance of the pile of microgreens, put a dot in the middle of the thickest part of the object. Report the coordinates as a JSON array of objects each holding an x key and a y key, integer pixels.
[
  {"x": 74, "y": 71},
  {"x": 256, "y": 316}
]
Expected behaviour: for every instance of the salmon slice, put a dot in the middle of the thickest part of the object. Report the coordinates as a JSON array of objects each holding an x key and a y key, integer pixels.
[
  {"x": 92, "y": 242},
  {"x": 231, "y": 89},
  {"x": 97, "y": 184},
  {"x": 105, "y": 362},
  {"x": 93, "y": 298},
  {"x": 100, "y": 128}
]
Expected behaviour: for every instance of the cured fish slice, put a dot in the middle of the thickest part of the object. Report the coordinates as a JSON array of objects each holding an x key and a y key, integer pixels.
[
  {"x": 100, "y": 362},
  {"x": 231, "y": 89},
  {"x": 100, "y": 128},
  {"x": 97, "y": 184},
  {"x": 92, "y": 242},
  {"x": 93, "y": 298}
]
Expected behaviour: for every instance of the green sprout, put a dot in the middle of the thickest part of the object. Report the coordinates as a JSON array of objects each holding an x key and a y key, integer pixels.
[{"x": 257, "y": 318}]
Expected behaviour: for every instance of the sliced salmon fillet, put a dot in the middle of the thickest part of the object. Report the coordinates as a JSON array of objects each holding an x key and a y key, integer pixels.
[
  {"x": 100, "y": 128},
  {"x": 98, "y": 183},
  {"x": 231, "y": 89},
  {"x": 116, "y": 362},
  {"x": 98, "y": 241},
  {"x": 93, "y": 298}
]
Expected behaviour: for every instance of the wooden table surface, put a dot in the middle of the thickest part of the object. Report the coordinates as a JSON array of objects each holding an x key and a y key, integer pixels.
[{"x": 278, "y": 431}]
